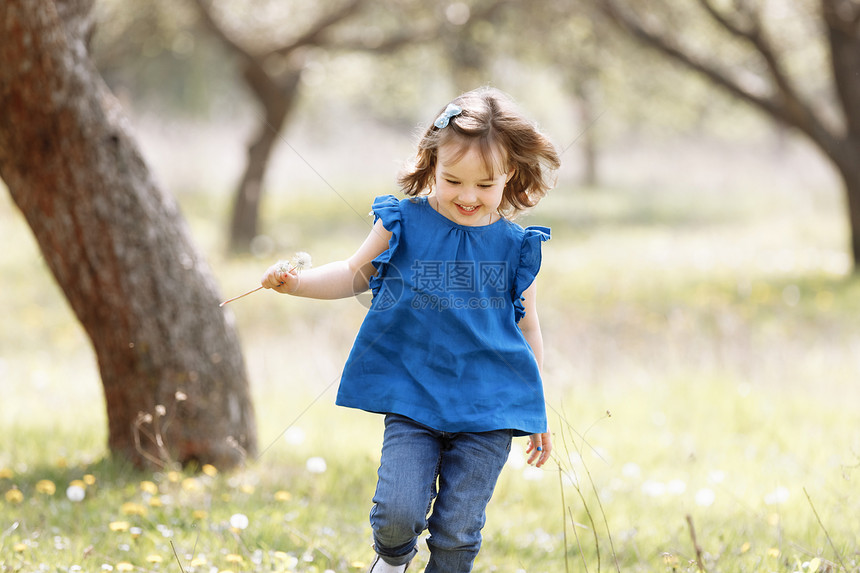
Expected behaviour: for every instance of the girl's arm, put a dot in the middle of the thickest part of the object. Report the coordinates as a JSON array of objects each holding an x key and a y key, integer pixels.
[
  {"x": 530, "y": 324},
  {"x": 530, "y": 327},
  {"x": 340, "y": 279}
]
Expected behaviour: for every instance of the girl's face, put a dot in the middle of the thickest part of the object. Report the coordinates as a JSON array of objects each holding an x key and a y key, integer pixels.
[{"x": 465, "y": 192}]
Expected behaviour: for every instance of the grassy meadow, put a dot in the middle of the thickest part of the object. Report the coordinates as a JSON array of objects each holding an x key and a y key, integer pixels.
[{"x": 702, "y": 360}]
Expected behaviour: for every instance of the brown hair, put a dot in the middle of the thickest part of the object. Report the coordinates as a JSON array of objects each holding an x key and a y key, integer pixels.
[{"x": 492, "y": 121}]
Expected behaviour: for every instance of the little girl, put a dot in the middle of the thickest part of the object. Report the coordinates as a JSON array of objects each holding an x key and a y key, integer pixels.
[{"x": 451, "y": 349}]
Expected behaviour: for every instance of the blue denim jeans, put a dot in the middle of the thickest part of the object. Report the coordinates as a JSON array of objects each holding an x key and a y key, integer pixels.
[{"x": 452, "y": 473}]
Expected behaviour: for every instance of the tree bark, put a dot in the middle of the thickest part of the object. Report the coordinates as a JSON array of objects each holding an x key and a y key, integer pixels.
[
  {"x": 118, "y": 247},
  {"x": 277, "y": 98}
]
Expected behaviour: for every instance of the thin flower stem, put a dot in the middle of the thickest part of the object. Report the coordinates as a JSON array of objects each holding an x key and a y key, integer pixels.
[
  {"x": 241, "y": 295},
  {"x": 303, "y": 261}
]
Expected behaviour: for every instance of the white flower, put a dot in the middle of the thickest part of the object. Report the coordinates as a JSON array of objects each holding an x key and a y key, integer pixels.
[
  {"x": 76, "y": 493},
  {"x": 160, "y": 410},
  {"x": 302, "y": 261},
  {"x": 239, "y": 521},
  {"x": 316, "y": 465},
  {"x": 180, "y": 396},
  {"x": 705, "y": 497}
]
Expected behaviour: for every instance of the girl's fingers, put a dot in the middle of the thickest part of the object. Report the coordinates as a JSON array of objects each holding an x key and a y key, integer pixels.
[{"x": 540, "y": 447}]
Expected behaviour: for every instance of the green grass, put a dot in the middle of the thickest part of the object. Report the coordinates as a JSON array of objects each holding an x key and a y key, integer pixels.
[{"x": 701, "y": 361}]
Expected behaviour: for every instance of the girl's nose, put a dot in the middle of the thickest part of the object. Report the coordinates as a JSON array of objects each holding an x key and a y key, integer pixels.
[{"x": 468, "y": 195}]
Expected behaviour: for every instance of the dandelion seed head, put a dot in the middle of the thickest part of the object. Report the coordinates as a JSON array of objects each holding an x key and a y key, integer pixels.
[
  {"x": 161, "y": 410},
  {"x": 316, "y": 465},
  {"x": 76, "y": 493},
  {"x": 283, "y": 267},
  {"x": 239, "y": 521},
  {"x": 302, "y": 260},
  {"x": 180, "y": 396},
  {"x": 705, "y": 497}
]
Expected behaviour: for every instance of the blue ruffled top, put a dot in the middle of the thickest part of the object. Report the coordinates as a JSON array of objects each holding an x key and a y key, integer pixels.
[{"x": 440, "y": 343}]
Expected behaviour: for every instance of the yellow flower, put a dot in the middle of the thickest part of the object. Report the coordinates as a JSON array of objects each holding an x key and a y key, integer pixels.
[
  {"x": 155, "y": 501},
  {"x": 773, "y": 552},
  {"x": 746, "y": 547},
  {"x": 19, "y": 547},
  {"x": 148, "y": 487},
  {"x": 132, "y": 508},
  {"x": 233, "y": 558},
  {"x": 174, "y": 476},
  {"x": 191, "y": 484},
  {"x": 283, "y": 495},
  {"x": 46, "y": 486},
  {"x": 14, "y": 496},
  {"x": 154, "y": 558},
  {"x": 6, "y": 473},
  {"x": 124, "y": 567},
  {"x": 119, "y": 525},
  {"x": 246, "y": 488},
  {"x": 90, "y": 479},
  {"x": 199, "y": 514},
  {"x": 209, "y": 470},
  {"x": 79, "y": 483},
  {"x": 198, "y": 561}
]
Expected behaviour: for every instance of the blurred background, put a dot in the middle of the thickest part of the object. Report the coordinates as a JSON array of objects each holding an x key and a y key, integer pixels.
[{"x": 700, "y": 282}]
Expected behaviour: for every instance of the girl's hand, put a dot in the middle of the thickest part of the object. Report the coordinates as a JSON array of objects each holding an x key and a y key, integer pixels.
[
  {"x": 281, "y": 278},
  {"x": 540, "y": 447}
]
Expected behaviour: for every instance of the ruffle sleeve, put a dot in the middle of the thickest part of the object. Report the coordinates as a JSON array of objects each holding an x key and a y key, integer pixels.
[
  {"x": 387, "y": 208},
  {"x": 530, "y": 259}
]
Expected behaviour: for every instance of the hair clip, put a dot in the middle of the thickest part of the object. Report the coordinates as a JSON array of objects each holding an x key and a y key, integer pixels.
[{"x": 450, "y": 111}]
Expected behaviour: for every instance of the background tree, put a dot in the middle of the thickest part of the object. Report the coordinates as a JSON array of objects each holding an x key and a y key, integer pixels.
[
  {"x": 272, "y": 68},
  {"x": 770, "y": 56},
  {"x": 117, "y": 245}
]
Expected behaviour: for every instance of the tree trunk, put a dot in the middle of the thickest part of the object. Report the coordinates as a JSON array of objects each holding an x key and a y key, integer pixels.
[
  {"x": 277, "y": 99},
  {"x": 850, "y": 173},
  {"x": 842, "y": 24},
  {"x": 118, "y": 246}
]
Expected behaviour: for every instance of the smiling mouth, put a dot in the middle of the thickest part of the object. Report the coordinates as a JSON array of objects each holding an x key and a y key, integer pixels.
[{"x": 466, "y": 209}]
